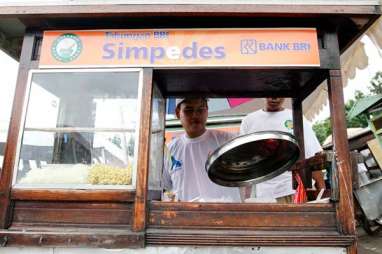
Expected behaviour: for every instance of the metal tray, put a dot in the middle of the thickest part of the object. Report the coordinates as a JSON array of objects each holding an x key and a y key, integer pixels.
[{"x": 252, "y": 158}]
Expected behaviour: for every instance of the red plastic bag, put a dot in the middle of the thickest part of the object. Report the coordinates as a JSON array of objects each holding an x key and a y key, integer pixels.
[{"x": 300, "y": 195}]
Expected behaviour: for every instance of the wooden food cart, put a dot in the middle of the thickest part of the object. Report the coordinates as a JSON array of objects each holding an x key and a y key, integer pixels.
[{"x": 90, "y": 101}]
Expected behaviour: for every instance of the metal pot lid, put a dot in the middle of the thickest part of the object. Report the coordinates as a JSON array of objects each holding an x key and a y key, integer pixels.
[{"x": 252, "y": 158}]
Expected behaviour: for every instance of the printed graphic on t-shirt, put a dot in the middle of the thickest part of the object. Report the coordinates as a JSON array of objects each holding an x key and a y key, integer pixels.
[
  {"x": 175, "y": 164},
  {"x": 288, "y": 124}
]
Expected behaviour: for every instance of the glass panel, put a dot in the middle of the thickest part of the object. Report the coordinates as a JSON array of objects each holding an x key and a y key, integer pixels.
[
  {"x": 157, "y": 140},
  {"x": 80, "y": 130}
]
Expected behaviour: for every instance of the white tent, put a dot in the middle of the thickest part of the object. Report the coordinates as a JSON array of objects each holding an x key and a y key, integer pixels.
[{"x": 352, "y": 59}]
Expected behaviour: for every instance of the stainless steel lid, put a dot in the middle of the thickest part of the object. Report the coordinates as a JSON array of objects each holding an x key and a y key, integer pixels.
[{"x": 252, "y": 158}]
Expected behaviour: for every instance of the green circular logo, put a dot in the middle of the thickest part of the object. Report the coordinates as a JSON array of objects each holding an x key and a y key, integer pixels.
[
  {"x": 288, "y": 124},
  {"x": 66, "y": 47}
]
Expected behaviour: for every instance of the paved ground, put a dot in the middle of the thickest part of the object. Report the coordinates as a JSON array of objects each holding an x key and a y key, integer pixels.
[{"x": 369, "y": 244}]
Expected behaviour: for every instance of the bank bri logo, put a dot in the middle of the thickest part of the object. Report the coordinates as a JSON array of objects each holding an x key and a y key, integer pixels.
[
  {"x": 66, "y": 47},
  {"x": 248, "y": 47},
  {"x": 253, "y": 46}
]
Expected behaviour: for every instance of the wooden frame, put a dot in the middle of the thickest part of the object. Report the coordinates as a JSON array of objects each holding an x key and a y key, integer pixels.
[
  {"x": 79, "y": 208},
  {"x": 180, "y": 9},
  {"x": 243, "y": 224},
  {"x": 10, "y": 148},
  {"x": 345, "y": 210},
  {"x": 140, "y": 209},
  {"x": 164, "y": 15},
  {"x": 131, "y": 218}
]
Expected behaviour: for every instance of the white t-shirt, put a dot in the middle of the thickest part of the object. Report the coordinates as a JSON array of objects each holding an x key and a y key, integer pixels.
[
  {"x": 184, "y": 171},
  {"x": 279, "y": 121}
]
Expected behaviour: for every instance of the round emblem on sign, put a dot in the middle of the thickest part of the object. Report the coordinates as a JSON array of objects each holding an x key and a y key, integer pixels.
[
  {"x": 66, "y": 48},
  {"x": 288, "y": 124}
]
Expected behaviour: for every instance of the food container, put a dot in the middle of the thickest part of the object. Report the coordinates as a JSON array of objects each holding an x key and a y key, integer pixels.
[{"x": 252, "y": 158}]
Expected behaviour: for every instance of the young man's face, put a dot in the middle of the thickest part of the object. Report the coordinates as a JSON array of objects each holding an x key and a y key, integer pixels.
[
  {"x": 193, "y": 115},
  {"x": 274, "y": 104}
]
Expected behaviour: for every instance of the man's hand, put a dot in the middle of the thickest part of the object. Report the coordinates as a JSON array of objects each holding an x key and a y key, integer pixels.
[
  {"x": 318, "y": 176},
  {"x": 245, "y": 192}
]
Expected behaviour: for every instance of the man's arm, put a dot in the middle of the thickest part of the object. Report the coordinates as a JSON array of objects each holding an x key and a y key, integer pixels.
[
  {"x": 166, "y": 183},
  {"x": 243, "y": 127},
  {"x": 245, "y": 192},
  {"x": 312, "y": 146}
]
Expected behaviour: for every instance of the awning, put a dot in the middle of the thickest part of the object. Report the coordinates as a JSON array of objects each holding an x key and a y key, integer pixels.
[{"x": 352, "y": 59}]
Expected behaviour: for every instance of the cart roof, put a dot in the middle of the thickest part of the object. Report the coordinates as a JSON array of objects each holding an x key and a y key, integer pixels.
[
  {"x": 354, "y": 17},
  {"x": 17, "y": 15},
  {"x": 97, "y": 2}
]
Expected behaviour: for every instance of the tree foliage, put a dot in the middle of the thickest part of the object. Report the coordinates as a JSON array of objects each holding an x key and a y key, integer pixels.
[
  {"x": 359, "y": 121},
  {"x": 323, "y": 128},
  {"x": 376, "y": 83}
]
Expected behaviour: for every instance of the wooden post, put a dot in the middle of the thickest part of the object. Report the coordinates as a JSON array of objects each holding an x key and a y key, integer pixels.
[
  {"x": 140, "y": 208},
  {"x": 298, "y": 130},
  {"x": 345, "y": 210},
  {"x": 13, "y": 132}
]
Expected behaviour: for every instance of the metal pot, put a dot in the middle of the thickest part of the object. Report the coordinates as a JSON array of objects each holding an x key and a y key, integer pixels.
[{"x": 252, "y": 158}]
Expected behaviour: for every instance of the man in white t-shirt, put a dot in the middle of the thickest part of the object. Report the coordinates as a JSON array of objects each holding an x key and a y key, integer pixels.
[
  {"x": 184, "y": 173},
  {"x": 275, "y": 117}
]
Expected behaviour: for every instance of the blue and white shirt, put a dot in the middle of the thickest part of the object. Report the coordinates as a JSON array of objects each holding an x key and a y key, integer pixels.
[{"x": 184, "y": 172}]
